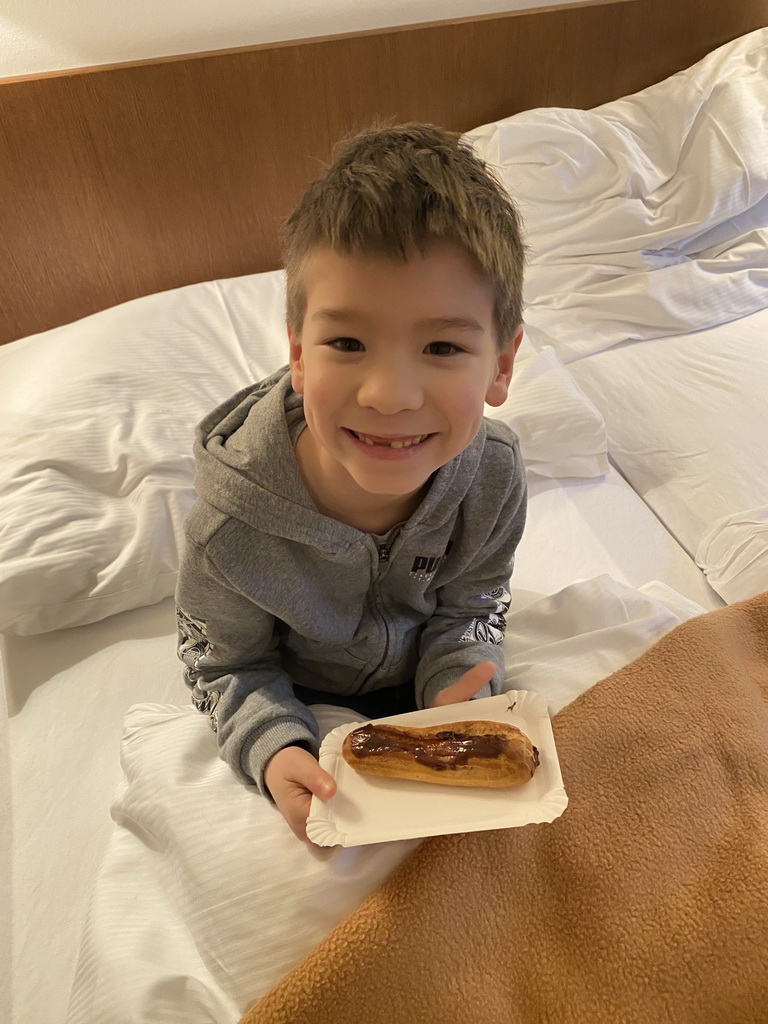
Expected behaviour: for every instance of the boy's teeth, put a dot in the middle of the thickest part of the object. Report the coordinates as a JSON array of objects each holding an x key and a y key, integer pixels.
[{"x": 393, "y": 444}]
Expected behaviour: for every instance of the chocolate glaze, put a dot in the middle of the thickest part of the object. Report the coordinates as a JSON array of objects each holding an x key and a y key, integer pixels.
[{"x": 439, "y": 750}]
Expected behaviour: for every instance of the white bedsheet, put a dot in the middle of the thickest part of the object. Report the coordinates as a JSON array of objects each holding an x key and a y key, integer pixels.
[
  {"x": 578, "y": 529},
  {"x": 687, "y": 420},
  {"x": 6, "y": 861},
  {"x": 69, "y": 690},
  {"x": 67, "y": 693}
]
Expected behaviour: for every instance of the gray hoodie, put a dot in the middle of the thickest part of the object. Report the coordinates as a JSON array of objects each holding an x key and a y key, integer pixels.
[{"x": 271, "y": 592}]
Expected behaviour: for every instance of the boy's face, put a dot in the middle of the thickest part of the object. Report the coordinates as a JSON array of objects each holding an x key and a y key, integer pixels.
[{"x": 394, "y": 360}]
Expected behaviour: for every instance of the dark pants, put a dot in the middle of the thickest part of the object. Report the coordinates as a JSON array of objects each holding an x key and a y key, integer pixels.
[{"x": 392, "y": 700}]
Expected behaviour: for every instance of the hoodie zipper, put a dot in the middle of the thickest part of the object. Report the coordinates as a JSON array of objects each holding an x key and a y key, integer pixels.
[
  {"x": 384, "y": 549},
  {"x": 383, "y": 552}
]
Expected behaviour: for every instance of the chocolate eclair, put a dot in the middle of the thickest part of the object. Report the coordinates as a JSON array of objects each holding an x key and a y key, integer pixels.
[{"x": 457, "y": 754}]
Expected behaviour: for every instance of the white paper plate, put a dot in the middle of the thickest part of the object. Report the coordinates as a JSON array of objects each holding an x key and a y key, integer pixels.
[{"x": 367, "y": 809}]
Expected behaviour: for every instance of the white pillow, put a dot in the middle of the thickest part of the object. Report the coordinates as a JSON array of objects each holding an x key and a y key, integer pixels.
[
  {"x": 96, "y": 425},
  {"x": 645, "y": 216},
  {"x": 733, "y": 553}
]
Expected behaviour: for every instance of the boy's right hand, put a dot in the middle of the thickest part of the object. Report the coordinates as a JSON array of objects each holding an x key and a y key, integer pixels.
[{"x": 292, "y": 775}]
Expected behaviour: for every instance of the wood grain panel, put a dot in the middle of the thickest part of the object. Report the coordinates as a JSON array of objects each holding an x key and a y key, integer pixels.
[{"x": 122, "y": 182}]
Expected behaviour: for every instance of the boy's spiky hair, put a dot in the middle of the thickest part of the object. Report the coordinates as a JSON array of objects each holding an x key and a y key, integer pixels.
[{"x": 393, "y": 190}]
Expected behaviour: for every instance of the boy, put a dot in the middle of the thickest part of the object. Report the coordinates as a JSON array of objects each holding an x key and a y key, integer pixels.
[{"x": 357, "y": 517}]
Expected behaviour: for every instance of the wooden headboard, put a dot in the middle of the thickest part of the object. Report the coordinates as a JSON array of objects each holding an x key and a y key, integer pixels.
[{"x": 117, "y": 182}]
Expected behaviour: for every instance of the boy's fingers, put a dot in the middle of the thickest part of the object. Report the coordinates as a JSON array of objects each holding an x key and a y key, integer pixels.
[
  {"x": 318, "y": 781},
  {"x": 474, "y": 679},
  {"x": 297, "y": 820}
]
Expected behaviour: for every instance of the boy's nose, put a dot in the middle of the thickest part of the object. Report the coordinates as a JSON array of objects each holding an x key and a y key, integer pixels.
[{"x": 390, "y": 390}]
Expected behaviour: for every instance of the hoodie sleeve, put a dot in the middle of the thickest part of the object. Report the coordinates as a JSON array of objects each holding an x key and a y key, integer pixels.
[
  {"x": 232, "y": 666},
  {"x": 468, "y": 624}
]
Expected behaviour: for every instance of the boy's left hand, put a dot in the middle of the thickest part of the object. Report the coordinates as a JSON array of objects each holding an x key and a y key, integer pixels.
[{"x": 474, "y": 679}]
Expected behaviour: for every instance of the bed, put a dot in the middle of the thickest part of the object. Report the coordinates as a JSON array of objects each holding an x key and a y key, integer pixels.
[{"x": 639, "y": 398}]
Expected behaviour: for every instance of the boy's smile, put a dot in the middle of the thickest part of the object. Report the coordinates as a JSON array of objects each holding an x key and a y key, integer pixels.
[
  {"x": 395, "y": 361},
  {"x": 390, "y": 447}
]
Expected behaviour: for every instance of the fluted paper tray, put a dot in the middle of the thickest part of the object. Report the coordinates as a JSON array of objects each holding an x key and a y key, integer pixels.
[{"x": 367, "y": 809}]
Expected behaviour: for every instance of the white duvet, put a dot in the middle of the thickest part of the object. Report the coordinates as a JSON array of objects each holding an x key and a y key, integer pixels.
[{"x": 205, "y": 899}]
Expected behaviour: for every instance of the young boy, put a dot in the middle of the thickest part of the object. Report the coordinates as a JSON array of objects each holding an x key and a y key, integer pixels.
[{"x": 357, "y": 516}]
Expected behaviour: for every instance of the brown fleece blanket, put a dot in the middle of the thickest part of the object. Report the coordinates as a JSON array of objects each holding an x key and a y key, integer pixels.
[{"x": 646, "y": 902}]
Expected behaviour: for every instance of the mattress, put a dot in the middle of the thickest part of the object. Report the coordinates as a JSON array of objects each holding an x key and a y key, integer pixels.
[{"x": 68, "y": 692}]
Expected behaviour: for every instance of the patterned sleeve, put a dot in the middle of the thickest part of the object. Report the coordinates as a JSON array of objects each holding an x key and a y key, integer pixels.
[
  {"x": 232, "y": 667},
  {"x": 194, "y": 647},
  {"x": 490, "y": 627}
]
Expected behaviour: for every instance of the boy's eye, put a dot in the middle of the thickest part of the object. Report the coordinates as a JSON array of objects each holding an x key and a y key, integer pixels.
[
  {"x": 346, "y": 345},
  {"x": 442, "y": 348}
]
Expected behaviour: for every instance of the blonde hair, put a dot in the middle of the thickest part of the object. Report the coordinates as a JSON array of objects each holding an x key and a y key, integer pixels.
[{"x": 394, "y": 190}]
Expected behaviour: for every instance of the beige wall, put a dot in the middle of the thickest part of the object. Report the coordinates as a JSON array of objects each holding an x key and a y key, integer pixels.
[{"x": 48, "y": 35}]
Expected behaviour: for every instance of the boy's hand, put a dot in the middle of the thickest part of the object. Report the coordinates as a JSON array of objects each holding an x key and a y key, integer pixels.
[
  {"x": 292, "y": 775},
  {"x": 474, "y": 679}
]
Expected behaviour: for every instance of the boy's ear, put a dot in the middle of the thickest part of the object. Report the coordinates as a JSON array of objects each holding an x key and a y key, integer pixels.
[
  {"x": 295, "y": 362},
  {"x": 497, "y": 392}
]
